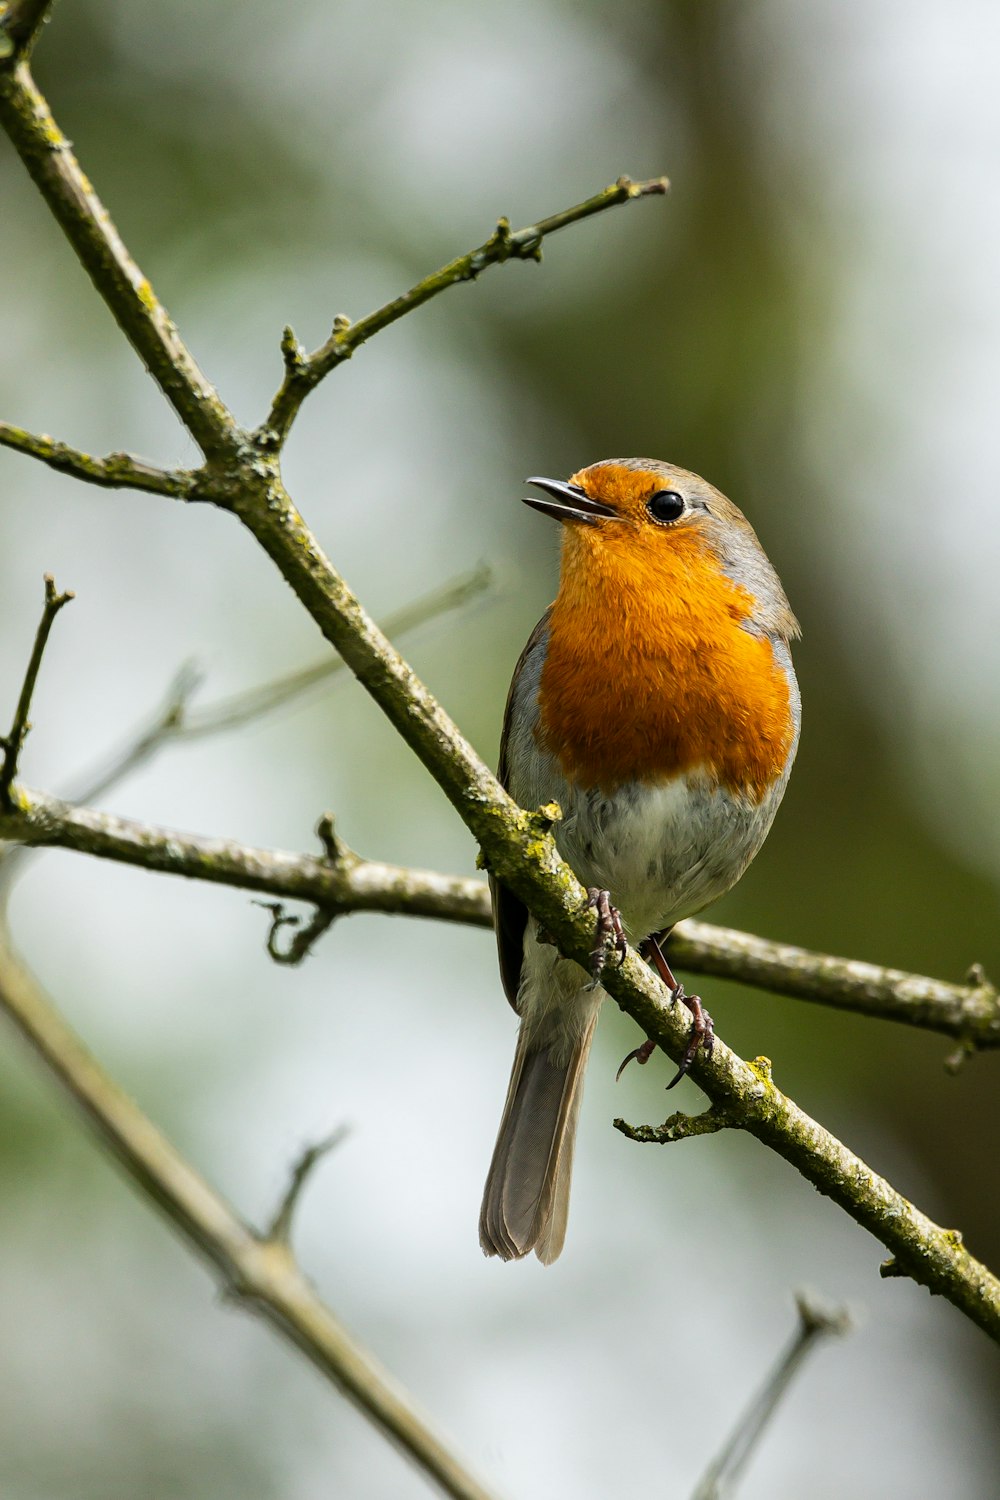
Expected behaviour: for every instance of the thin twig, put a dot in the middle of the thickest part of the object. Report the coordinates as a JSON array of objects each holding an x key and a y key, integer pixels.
[
  {"x": 280, "y": 1229},
  {"x": 679, "y": 1127},
  {"x": 305, "y": 937},
  {"x": 257, "y": 1270},
  {"x": 816, "y": 1322},
  {"x": 116, "y": 471},
  {"x": 303, "y": 372},
  {"x": 13, "y": 742}
]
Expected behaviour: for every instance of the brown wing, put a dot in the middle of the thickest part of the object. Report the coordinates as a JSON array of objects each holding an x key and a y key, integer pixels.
[{"x": 510, "y": 916}]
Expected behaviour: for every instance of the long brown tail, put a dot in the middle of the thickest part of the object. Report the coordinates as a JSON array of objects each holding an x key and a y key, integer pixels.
[{"x": 526, "y": 1201}]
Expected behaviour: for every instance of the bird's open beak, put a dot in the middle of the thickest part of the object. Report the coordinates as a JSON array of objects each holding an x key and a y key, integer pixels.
[{"x": 568, "y": 502}]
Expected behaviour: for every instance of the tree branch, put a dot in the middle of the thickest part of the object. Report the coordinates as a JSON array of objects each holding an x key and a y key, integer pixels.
[
  {"x": 970, "y": 1013},
  {"x": 303, "y": 372},
  {"x": 14, "y": 741},
  {"x": 257, "y": 1270},
  {"x": 116, "y": 471},
  {"x": 348, "y": 884},
  {"x": 55, "y": 171},
  {"x": 816, "y": 1322},
  {"x": 20, "y": 25}
]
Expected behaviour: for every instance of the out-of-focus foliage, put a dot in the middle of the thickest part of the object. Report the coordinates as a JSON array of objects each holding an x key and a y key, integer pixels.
[{"x": 810, "y": 320}]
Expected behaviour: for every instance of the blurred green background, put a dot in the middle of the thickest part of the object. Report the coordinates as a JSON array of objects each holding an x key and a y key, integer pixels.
[{"x": 810, "y": 320}]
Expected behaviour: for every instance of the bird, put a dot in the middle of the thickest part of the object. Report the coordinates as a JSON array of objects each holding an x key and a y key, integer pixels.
[{"x": 656, "y": 702}]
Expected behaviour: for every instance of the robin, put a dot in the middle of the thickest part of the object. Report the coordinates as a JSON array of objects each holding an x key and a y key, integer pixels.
[{"x": 656, "y": 702}]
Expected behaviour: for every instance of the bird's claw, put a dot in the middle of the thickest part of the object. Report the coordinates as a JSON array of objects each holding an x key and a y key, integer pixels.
[
  {"x": 609, "y": 925},
  {"x": 702, "y": 1032},
  {"x": 640, "y": 1054}
]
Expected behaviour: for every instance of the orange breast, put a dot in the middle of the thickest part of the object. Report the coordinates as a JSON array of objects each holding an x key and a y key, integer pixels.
[{"x": 649, "y": 671}]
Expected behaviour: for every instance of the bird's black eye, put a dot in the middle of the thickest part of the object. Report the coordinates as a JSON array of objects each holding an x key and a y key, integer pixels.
[{"x": 665, "y": 505}]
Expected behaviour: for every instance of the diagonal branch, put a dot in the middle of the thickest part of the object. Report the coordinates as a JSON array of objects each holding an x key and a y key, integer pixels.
[
  {"x": 12, "y": 744},
  {"x": 257, "y": 1270},
  {"x": 116, "y": 471},
  {"x": 55, "y": 171},
  {"x": 816, "y": 1322},
  {"x": 303, "y": 372}
]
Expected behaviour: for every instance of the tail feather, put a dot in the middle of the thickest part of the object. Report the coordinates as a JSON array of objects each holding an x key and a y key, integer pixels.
[{"x": 526, "y": 1201}]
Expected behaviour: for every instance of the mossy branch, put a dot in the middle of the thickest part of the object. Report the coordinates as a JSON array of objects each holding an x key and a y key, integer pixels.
[
  {"x": 968, "y": 1012},
  {"x": 116, "y": 471},
  {"x": 21, "y": 22}
]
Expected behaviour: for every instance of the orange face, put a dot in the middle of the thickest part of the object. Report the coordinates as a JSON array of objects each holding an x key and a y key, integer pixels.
[{"x": 655, "y": 663}]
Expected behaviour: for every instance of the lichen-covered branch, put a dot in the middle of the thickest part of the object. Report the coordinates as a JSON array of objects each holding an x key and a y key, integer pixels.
[
  {"x": 968, "y": 1012},
  {"x": 346, "y": 884},
  {"x": 257, "y": 1270},
  {"x": 303, "y": 372},
  {"x": 116, "y": 471}
]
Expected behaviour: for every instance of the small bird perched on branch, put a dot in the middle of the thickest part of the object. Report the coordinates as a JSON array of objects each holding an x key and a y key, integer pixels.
[{"x": 656, "y": 702}]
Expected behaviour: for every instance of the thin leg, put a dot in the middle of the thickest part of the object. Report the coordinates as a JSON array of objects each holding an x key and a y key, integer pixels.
[{"x": 702, "y": 1027}]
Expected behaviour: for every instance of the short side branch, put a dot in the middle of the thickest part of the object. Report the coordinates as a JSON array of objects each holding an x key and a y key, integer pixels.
[
  {"x": 280, "y": 1229},
  {"x": 116, "y": 471},
  {"x": 14, "y": 741},
  {"x": 303, "y": 372}
]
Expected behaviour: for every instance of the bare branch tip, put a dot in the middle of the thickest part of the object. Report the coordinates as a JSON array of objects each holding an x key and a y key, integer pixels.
[
  {"x": 280, "y": 1229},
  {"x": 818, "y": 1316},
  {"x": 292, "y": 352},
  {"x": 334, "y": 847}
]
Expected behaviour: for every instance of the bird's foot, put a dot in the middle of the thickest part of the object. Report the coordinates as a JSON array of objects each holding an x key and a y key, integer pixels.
[
  {"x": 702, "y": 1026},
  {"x": 609, "y": 926},
  {"x": 702, "y": 1031}
]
